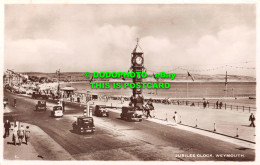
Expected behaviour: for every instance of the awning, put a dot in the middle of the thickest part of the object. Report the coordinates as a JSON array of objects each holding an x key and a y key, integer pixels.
[{"x": 68, "y": 89}]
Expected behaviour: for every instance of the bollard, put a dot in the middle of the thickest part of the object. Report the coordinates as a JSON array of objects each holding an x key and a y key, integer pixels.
[
  {"x": 243, "y": 108},
  {"x": 225, "y": 106},
  {"x": 231, "y": 107},
  {"x": 180, "y": 119},
  {"x": 196, "y": 123},
  {"x": 237, "y": 108},
  {"x": 166, "y": 117},
  {"x": 237, "y": 133},
  {"x": 215, "y": 128}
]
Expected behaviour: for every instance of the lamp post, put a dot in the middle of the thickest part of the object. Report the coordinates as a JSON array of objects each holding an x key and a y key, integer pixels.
[{"x": 58, "y": 75}]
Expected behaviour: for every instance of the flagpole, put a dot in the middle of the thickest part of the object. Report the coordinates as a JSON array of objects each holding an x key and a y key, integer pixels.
[
  {"x": 226, "y": 84},
  {"x": 187, "y": 87}
]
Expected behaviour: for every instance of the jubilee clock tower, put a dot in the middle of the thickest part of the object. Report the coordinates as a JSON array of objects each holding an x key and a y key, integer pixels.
[{"x": 137, "y": 60}]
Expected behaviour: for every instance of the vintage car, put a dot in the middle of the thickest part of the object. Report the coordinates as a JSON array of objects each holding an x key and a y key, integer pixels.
[
  {"x": 84, "y": 124},
  {"x": 57, "y": 111},
  {"x": 101, "y": 110},
  {"x": 5, "y": 101},
  {"x": 41, "y": 105},
  {"x": 37, "y": 95},
  {"x": 131, "y": 114}
]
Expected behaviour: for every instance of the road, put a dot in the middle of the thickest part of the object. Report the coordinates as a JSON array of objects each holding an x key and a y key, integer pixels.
[{"x": 116, "y": 139}]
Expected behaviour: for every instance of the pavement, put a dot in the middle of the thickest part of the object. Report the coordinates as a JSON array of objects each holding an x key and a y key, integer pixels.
[
  {"x": 12, "y": 152},
  {"x": 227, "y": 122},
  {"x": 116, "y": 139},
  {"x": 40, "y": 147}
]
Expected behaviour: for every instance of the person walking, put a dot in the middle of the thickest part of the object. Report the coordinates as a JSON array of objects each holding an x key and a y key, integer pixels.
[
  {"x": 14, "y": 102},
  {"x": 204, "y": 104},
  {"x": 7, "y": 126},
  {"x": 220, "y": 105},
  {"x": 15, "y": 135},
  {"x": 20, "y": 134},
  {"x": 148, "y": 113},
  {"x": 252, "y": 119},
  {"x": 217, "y": 104},
  {"x": 63, "y": 105},
  {"x": 122, "y": 100},
  {"x": 175, "y": 117},
  {"x": 5, "y": 103},
  {"x": 27, "y": 135}
]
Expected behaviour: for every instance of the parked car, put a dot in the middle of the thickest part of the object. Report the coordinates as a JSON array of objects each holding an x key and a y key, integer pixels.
[
  {"x": 84, "y": 124},
  {"x": 57, "y": 111},
  {"x": 36, "y": 95},
  {"x": 29, "y": 92},
  {"x": 101, "y": 110},
  {"x": 41, "y": 105},
  {"x": 131, "y": 114}
]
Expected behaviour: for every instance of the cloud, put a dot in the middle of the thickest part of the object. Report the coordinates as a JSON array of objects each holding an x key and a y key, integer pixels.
[
  {"x": 229, "y": 45},
  {"x": 104, "y": 46},
  {"x": 102, "y": 37},
  {"x": 34, "y": 54}
]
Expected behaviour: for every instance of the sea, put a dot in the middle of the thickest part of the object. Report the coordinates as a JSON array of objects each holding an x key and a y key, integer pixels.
[{"x": 177, "y": 89}]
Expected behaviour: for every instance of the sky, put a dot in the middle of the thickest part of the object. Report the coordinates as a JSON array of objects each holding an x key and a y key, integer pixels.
[{"x": 95, "y": 38}]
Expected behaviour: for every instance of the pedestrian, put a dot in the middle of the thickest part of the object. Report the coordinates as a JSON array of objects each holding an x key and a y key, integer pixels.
[
  {"x": 5, "y": 103},
  {"x": 252, "y": 119},
  {"x": 7, "y": 126},
  {"x": 63, "y": 105},
  {"x": 27, "y": 135},
  {"x": 122, "y": 100},
  {"x": 14, "y": 102},
  {"x": 220, "y": 105},
  {"x": 148, "y": 113},
  {"x": 20, "y": 134},
  {"x": 132, "y": 99},
  {"x": 217, "y": 104},
  {"x": 150, "y": 104},
  {"x": 15, "y": 135},
  {"x": 204, "y": 104},
  {"x": 175, "y": 117}
]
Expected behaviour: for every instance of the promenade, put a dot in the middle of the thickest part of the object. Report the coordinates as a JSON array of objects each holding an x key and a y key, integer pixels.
[{"x": 227, "y": 122}]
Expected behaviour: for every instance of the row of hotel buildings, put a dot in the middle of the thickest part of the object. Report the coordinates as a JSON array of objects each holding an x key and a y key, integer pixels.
[{"x": 11, "y": 78}]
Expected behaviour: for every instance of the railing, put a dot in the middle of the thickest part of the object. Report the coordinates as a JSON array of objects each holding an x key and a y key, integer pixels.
[{"x": 214, "y": 105}]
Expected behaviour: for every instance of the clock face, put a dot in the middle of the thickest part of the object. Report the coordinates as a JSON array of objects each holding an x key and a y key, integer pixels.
[{"x": 139, "y": 60}]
